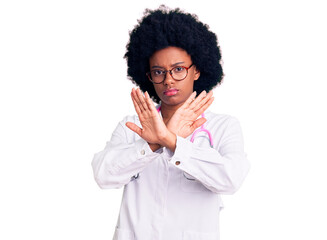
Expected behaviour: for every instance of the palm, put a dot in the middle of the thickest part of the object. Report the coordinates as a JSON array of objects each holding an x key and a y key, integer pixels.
[
  {"x": 153, "y": 128},
  {"x": 181, "y": 123},
  {"x": 184, "y": 121}
]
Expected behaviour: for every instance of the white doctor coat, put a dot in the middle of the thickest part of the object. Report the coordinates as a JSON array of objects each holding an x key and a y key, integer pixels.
[{"x": 172, "y": 196}]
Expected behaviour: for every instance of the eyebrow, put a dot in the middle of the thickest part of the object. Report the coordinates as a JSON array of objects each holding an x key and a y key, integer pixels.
[{"x": 173, "y": 65}]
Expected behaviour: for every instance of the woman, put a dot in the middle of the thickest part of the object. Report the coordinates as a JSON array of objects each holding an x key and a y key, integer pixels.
[{"x": 174, "y": 159}]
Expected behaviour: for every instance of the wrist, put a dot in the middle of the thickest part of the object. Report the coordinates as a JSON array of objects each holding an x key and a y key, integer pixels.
[
  {"x": 169, "y": 141},
  {"x": 154, "y": 146}
]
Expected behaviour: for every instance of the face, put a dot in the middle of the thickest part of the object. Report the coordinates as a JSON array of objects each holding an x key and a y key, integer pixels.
[{"x": 170, "y": 91}]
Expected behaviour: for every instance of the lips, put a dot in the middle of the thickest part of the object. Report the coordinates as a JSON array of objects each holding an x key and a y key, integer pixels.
[{"x": 170, "y": 92}]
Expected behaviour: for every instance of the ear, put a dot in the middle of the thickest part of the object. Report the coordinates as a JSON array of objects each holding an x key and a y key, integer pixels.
[{"x": 197, "y": 74}]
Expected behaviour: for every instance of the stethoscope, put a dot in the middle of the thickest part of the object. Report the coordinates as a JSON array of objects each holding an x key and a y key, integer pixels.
[{"x": 201, "y": 129}]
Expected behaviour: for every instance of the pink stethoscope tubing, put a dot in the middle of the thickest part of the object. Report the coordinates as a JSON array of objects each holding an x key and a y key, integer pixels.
[{"x": 201, "y": 129}]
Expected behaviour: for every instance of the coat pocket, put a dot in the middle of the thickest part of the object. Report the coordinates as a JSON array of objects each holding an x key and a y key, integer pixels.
[
  {"x": 123, "y": 234},
  {"x": 190, "y": 184},
  {"x": 191, "y": 235}
]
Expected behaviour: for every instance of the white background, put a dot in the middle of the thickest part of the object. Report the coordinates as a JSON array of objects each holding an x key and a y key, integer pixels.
[{"x": 64, "y": 88}]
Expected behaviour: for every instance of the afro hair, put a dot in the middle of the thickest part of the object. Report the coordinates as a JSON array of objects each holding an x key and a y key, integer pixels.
[{"x": 165, "y": 27}]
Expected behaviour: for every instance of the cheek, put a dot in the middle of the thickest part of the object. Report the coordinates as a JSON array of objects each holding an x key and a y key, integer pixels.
[
  {"x": 189, "y": 85},
  {"x": 158, "y": 89}
]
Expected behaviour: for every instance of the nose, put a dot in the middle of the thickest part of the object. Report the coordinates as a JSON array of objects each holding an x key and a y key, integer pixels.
[{"x": 168, "y": 78}]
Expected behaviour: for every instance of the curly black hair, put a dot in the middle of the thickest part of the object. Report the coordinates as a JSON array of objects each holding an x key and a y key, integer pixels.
[{"x": 166, "y": 27}]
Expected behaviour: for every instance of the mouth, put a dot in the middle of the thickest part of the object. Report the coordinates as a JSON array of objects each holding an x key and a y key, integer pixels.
[{"x": 171, "y": 92}]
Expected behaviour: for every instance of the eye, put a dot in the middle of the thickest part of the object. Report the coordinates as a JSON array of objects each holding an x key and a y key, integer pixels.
[
  {"x": 179, "y": 69},
  {"x": 158, "y": 72}
]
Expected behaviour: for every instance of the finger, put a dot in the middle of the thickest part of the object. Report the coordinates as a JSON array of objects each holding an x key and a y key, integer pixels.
[
  {"x": 149, "y": 102},
  {"x": 205, "y": 106},
  {"x": 136, "y": 100},
  {"x": 198, "y": 123},
  {"x": 190, "y": 99},
  {"x": 203, "y": 101},
  {"x": 141, "y": 99},
  {"x": 134, "y": 128},
  {"x": 198, "y": 99},
  {"x": 136, "y": 106}
]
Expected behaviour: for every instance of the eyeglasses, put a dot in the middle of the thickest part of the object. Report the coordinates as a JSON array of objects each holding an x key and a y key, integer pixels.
[{"x": 178, "y": 73}]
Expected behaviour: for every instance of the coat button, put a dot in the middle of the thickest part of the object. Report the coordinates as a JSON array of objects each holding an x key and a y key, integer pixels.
[
  {"x": 142, "y": 152},
  {"x": 177, "y": 162}
]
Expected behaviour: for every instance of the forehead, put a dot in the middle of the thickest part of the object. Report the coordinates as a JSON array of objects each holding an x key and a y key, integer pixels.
[{"x": 169, "y": 56}]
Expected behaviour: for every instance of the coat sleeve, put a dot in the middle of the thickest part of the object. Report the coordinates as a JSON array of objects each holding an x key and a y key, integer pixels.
[
  {"x": 123, "y": 157},
  {"x": 221, "y": 169}
]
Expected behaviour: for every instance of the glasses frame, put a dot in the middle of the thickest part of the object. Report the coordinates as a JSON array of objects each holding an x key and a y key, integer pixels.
[{"x": 170, "y": 72}]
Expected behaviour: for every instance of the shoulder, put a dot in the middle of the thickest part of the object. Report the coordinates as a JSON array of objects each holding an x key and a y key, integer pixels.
[
  {"x": 222, "y": 124},
  {"x": 217, "y": 118},
  {"x": 122, "y": 132},
  {"x": 223, "y": 127},
  {"x": 121, "y": 127},
  {"x": 130, "y": 118}
]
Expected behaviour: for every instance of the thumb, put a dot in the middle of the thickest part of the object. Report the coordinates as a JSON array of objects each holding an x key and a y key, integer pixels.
[
  {"x": 197, "y": 123},
  {"x": 134, "y": 128}
]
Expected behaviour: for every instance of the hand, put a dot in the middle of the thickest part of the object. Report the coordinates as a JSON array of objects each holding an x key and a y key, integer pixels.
[
  {"x": 184, "y": 121},
  {"x": 153, "y": 130}
]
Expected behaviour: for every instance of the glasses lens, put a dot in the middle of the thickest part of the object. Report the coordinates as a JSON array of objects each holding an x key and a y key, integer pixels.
[
  {"x": 179, "y": 73},
  {"x": 157, "y": 76}
]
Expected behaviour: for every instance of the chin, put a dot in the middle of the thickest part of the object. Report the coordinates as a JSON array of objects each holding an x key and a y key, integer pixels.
[{"x": 172, "y": 101}]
